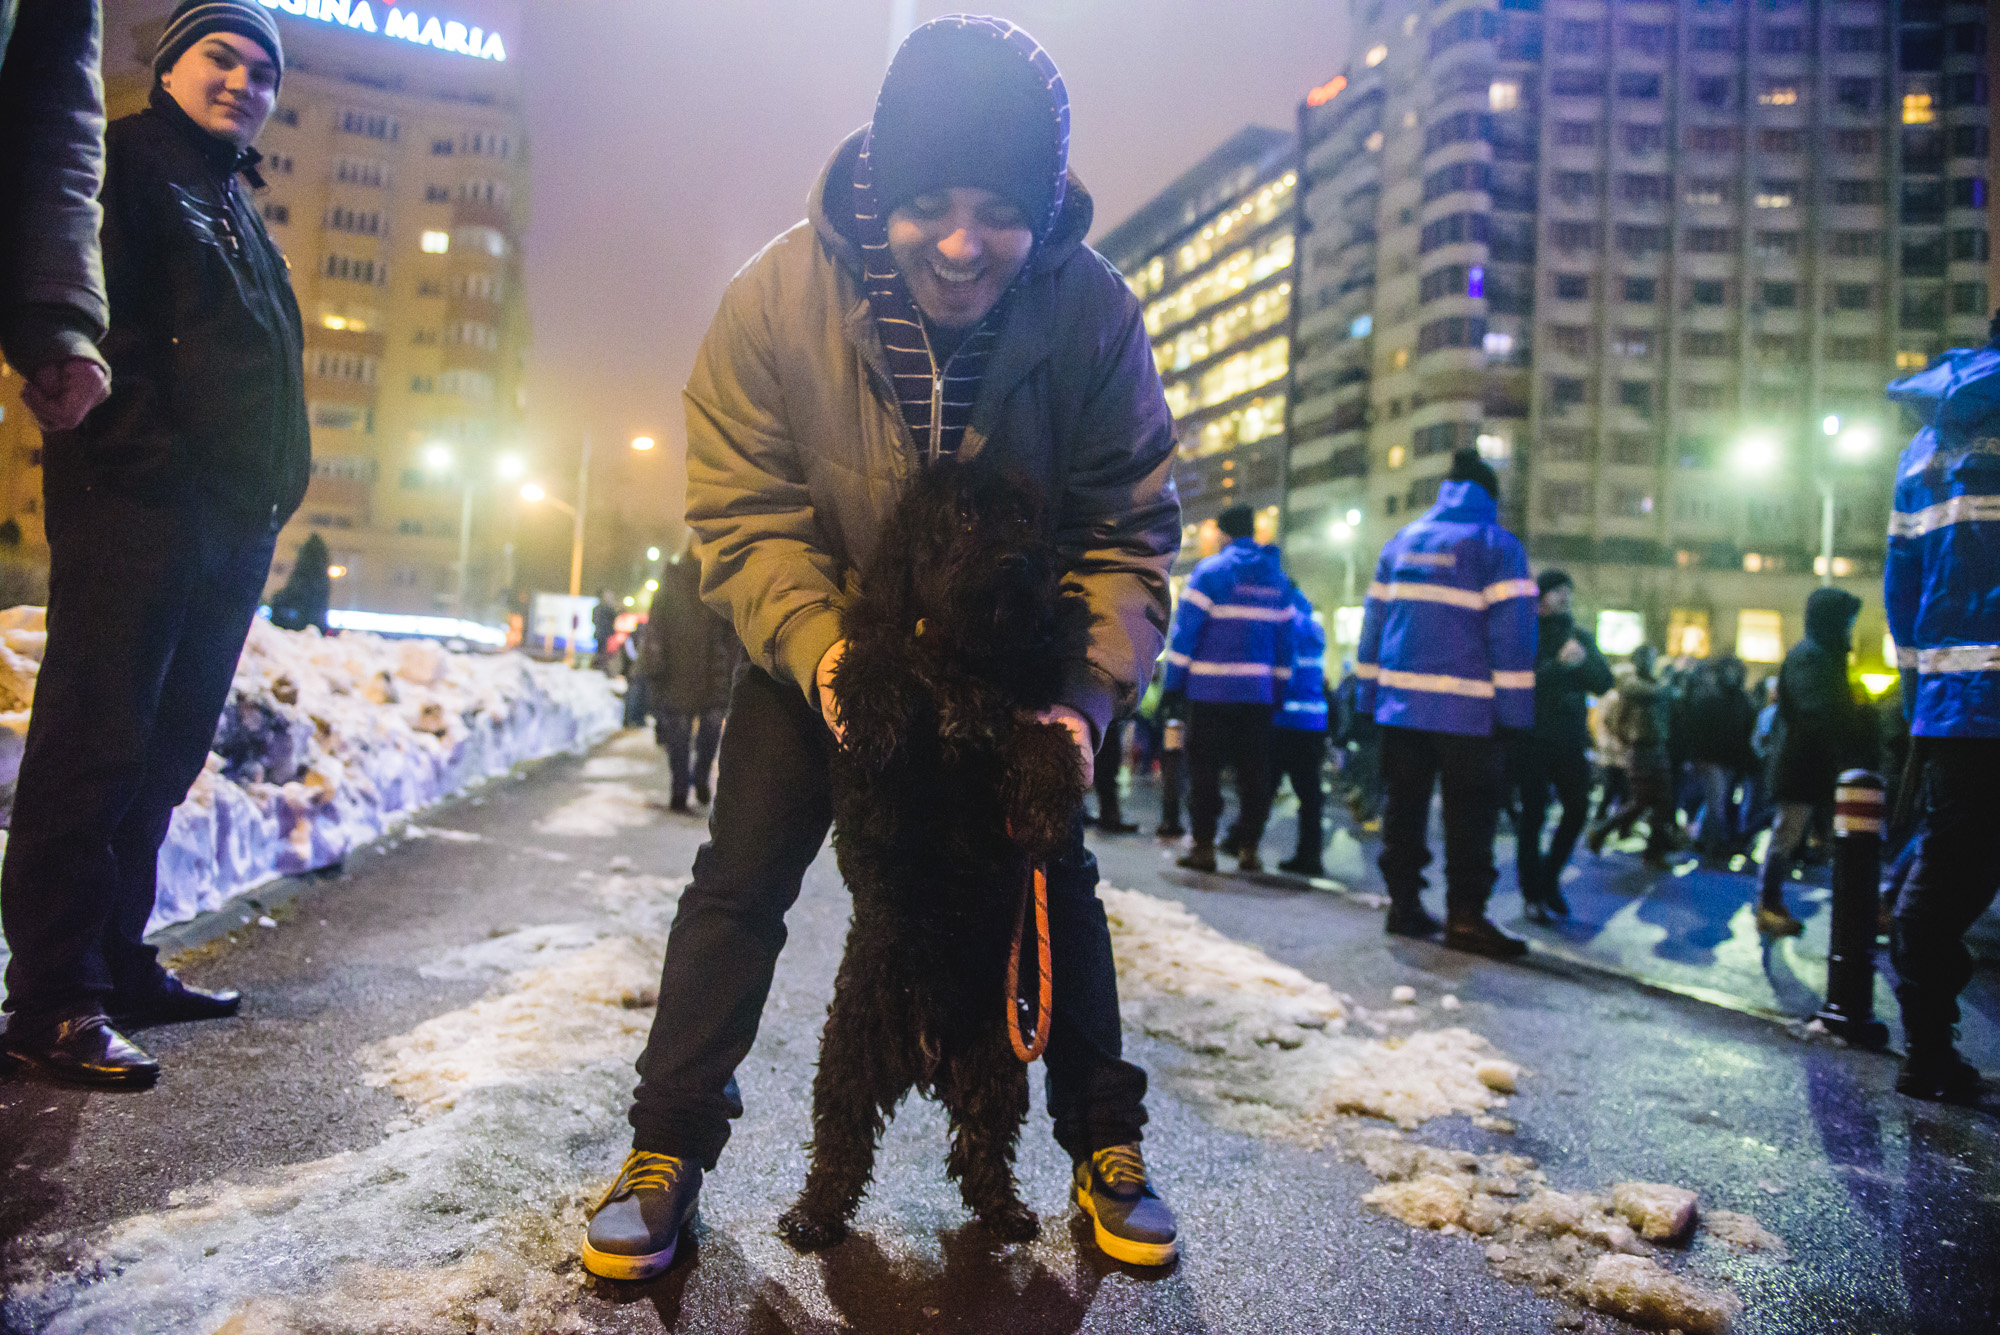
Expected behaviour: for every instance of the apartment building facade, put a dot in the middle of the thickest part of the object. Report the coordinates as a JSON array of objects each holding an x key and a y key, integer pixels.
[
  {"x": 1211, "y": 260},
  {"x": 1656, "y": 261},
  {"x": 396, "y": 184}
]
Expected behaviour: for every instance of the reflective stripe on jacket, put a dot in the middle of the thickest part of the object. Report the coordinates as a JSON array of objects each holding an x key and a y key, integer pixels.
[
  {"x": 1232, "y": 634},
  {"x": 1305, "y": 693},
  {"x": 1941, "y": 581},
  {"x": 1448, "y": 635}
]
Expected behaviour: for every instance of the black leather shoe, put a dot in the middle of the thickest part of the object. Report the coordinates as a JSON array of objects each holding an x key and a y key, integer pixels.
[
  {"x": 84, "y": 1050},
  {"x": 1481, "y": 937},
  {"x": 1302, "y": 866},
  {"x": 1412, "y": 922},
  {"x": 173, "y": 1002},
  {"x": 1116, "y": 826}
]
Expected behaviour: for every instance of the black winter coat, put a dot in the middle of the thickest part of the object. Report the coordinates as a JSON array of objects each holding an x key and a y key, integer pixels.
[
  {"x": 1822, "y": 728},
  {"x": 1718, "y": 719},
  {"x": 689, "y": 651},
  {"x": 207, "y": 368},
  {"x": 1562, "y": 709}
]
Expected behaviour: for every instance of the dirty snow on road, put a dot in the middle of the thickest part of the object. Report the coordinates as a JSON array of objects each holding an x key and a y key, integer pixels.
[
  {"x": 1270, "y": 1051},
  {"x": 464, "y": 1218}
]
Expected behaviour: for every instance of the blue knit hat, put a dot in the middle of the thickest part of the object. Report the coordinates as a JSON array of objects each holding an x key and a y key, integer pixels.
[{"x": 193, "y": 20}]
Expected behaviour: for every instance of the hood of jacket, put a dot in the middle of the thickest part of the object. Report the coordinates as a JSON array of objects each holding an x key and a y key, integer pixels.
[
  {"x": 1464, "y": 503},
  {"x": 1830, "y": 617},
  {"x": 830, "y": 209}
]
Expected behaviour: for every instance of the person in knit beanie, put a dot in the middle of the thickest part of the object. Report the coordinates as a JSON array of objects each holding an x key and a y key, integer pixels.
[
  {"x": 938, "y": 302},
  {"x": 221, "y": 61},
  {"x": 162, "y": 507}
]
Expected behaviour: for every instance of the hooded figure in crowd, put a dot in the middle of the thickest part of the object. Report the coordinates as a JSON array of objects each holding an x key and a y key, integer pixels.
[
  {"x": 1822, "y": 729},
  {"x": 162, "y": 509},
  {"x": 938, "y": 302},
  {"x": 1569, "y": 669}
]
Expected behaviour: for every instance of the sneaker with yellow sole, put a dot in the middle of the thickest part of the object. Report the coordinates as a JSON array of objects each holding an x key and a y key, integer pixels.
[
  {"x": 1131, "y": 1222},
  {"x": 636, "y": 1228}
]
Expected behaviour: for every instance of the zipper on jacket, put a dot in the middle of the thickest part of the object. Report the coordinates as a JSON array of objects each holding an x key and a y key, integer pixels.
[{"x": 937, "y": 391}]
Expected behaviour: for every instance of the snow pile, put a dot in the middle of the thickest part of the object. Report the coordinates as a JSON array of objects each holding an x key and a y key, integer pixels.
[
  {"x": 464, "y": 1218},
  {"x": 1271, "y": 1048},
  {"x": 1271, "y": 1051},
  {"x": 327, "y": 742},
  {"x": 599, "y": 811}
]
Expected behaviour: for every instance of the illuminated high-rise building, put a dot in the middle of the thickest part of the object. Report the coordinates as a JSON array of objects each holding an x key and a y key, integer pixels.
[
  {"x": 397, "y": 169},
  {"x": 1656, "y": 261},
  {"x": 1211, "y": 261}
]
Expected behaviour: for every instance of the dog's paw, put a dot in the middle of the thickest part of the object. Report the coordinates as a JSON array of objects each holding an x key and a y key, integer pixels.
[
  {"x": 808, "y": 1233},
  {"x": 1012, "y": 1222}
]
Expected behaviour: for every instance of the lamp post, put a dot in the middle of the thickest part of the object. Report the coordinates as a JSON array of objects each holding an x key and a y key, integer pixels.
[
  {"x": 1850, "y": 443},
  {"x": 1342, "y": 533}
]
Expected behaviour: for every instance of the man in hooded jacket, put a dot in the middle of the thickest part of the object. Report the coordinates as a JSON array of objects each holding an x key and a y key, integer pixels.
[
  {"x": 938, "y": 302},
  {"x": 1447, "y": 662},
  {"x": 1939, "y": 582},
  {"x": 1822, "y": 730},
  {"x": 1568, "y": 670}
]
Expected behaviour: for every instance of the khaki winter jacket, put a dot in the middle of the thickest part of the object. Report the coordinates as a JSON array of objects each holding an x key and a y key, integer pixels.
[{"x": 797, "y": 450}]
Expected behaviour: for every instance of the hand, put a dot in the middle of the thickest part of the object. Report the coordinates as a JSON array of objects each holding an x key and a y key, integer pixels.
[
  {"x": 1571, "y": 653},
  {"x": 823, "y": 683},
  {"x": 62, "y": 393},
  {"x": 1079, "y": 732}
]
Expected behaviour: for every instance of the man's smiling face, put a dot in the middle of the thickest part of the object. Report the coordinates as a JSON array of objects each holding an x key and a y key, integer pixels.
[
  {"x": 959, "y": 249},
  {"x": 227, "y": 84}
]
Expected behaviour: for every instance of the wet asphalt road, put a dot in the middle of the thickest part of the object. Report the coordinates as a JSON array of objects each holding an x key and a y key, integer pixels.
[{"x": 1891, "y": 1208}]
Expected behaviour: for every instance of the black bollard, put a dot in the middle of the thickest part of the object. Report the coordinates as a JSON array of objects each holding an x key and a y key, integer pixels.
[{"x": 1858, "y": 816}]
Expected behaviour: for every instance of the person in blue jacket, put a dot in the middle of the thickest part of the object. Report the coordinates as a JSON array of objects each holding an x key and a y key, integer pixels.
[
  {"x": 1298, "y": 737},
  {"x": 1229, "y": 656},
  {"x": 1446, "y": 661},
  {"x": 1942, "y": 587}
]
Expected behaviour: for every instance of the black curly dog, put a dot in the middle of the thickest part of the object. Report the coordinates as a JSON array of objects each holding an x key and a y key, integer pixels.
[{"x": 946, "y": 791}]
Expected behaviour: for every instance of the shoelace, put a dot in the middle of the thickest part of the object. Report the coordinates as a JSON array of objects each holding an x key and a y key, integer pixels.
[
  {"x": 643, "y": 1171},
  {"x": 1120, "y": 1168}
]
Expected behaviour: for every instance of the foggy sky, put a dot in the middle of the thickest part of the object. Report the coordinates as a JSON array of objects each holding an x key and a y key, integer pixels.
[{"x": 671, "y": 140}]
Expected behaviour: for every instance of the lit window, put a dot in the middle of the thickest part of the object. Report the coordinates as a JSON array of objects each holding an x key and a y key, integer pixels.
[
  {"x": 1498, "y": 344},
  {"x": 1760, "y": 635},
  {"x": 1373, "y": 143},
  {"x": 1910, "y": 361},
  {"x": 1782, "y": 95},
  {"x": 1396, "y": 456},
  {"x": 1399, "y": 358},
  {"x": 1492, "y": 447},
  {"x": 1504, "y": 95},
  {"x": 1361, "y": 327},
  {"x": 1753, "y": 561},
  {"x": 1376, "y": 55},
  {"x": 1918, "y": 109},
  {"x": 435, "y": 243}
]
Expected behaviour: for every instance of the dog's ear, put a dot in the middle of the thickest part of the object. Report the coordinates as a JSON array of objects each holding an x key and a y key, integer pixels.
[{"x": 1041, "y": 787}]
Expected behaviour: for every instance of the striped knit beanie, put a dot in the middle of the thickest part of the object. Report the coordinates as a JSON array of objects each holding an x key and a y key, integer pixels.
[{"x": 193, "y": 20}]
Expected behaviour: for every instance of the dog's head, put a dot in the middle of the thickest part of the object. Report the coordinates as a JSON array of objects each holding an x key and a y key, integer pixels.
[{"x": 979, "y": 578}]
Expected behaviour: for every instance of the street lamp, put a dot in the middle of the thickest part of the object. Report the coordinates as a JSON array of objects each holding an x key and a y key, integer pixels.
[
  {"x": 1852, "y": 444},
  {"x": 1756, "y": 454},
  {"x": 1342, "y": 533},
  {"x": 534, "y": 493},
  {"x": 643, "y": 443}
]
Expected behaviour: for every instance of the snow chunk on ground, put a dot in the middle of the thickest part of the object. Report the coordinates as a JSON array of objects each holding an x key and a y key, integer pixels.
[
  {"x": 1637, "y": 1289},
  {"x": 1660, "y": 1213},
  {"x": 1744, "y": 1233},
  {"x": 599, "y": 811},
  {"x": 1269, "y": 1047}
]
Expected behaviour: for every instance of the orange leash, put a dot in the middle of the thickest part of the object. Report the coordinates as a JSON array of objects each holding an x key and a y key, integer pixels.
[{"x": 1030, "y": 1048}]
